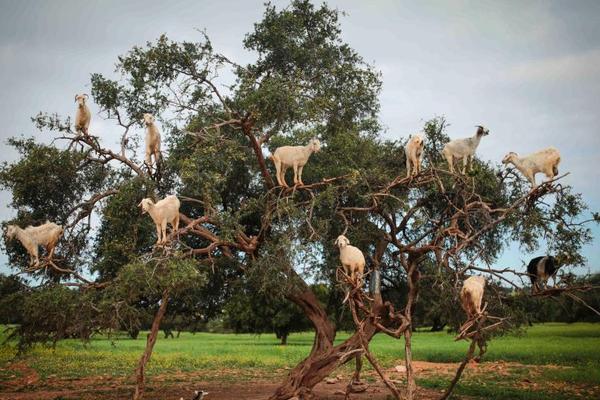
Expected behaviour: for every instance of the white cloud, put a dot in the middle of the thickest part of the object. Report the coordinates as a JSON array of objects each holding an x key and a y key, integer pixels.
[{"x": 578, "y": 66}]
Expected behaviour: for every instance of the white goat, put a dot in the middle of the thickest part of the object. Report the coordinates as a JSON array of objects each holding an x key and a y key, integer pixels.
[
  {"x": 83, "y": 116},
  {"x": 463, "y": 149},
  {"x": 295, "y": 157},
  {"x": 414, "y": 154},
  {"x": 163, "y": 212},
  {"x": 152, "y": 139},
  {"x": 33, "y": 237},
  {"x": 471, "y": 295},
  {"x": 545, "y": 161},
  {"x": 352, "y": 258}
]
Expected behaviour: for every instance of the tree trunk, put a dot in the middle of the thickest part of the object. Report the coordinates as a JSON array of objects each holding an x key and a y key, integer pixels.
[
  {"x": 324, "y": 358},
  {"x": 150, "y": 341},
  {"x": 283, "y": 338},
  {"x": 413, "y": 276}
]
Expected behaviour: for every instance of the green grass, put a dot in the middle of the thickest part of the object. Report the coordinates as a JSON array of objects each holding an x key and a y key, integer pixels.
[{"x": 576, "y": 346}]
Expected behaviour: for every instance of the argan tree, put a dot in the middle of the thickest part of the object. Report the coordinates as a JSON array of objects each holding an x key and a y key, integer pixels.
[{"x": 305, "y": 82}]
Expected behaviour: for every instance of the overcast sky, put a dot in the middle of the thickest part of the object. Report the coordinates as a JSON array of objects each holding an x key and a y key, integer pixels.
[{"x": 527, "y": 70}]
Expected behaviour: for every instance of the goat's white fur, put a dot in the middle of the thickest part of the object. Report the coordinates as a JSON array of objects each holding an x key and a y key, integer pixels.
[
  {"x": 162, "y": 212},
  {"x": 545, "y": 161},
  {"x": 352, "y": 258},
  {"x": 83, "y": 116},
  {"x": 295, "y": 157},
  {"x": 152, "y": 139},
  {"x": 471, "y": 295},
  {"x": 414, "y": 154},
  {"x": 33, "y": 237},
  {"x": 464, "y": 149}
]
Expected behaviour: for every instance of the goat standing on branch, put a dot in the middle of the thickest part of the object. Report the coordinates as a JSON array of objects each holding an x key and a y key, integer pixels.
[
  {"x": 545, "y": 161},
  {"x": 352, "y": 259},
  {"x": 540, "y": 269},
  {"x": 152, "y": 140},
  {"x": 163, "y": 212},
  {"x": 83, "y": 116},
  {"x": 463, "y": 149},
  {"x": 295, "y": 157},
  {"x": 33, "y": 237},
  {"x": 471, "y": 295},
  {"x": 414, "y": 155}
]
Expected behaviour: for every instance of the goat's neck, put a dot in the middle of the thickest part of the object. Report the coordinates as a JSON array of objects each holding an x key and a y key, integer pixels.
[
  {"x": 517, "y": 162},
  {"x": 476, "y": 139},
  {"x": 152, "y": 211},
  {"x": 21, "y": 235},
  {"x": 307, "y": 150}
]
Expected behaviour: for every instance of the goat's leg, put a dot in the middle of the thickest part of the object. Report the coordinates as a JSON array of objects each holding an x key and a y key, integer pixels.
[
  {"x": 408, "y": 166},
  {"x": 300, "y": 167},
  {"x": 418, "y": 165},
  {"x": 176, "y": 225},
  {"x": 35, "y": 256},
  {"x": 163, "y": 227},
  {"x": 277, "y": 170},
  {"x": 50, "y": 249},
  {"x": 531, "y": 179},
  {"x": 158, "y": 234},
  {"x": 465, "y": 161},
  {"x": 283, "y": 171},
  {"x": 295, "y": 168}
]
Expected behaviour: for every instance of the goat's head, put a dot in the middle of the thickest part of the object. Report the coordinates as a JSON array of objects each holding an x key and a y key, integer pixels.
[
  {"x": 482, "y": 131},
  {"x": 315, "y": 145},
  {"x": 510, "y": 157},
  {"x": 11, "y": 231},
  {"x": 418, "y": 140},
  {"x": 148, "y": 119},
  {"x": 80, "y": 99},
  {"x": 199, "y": 394},
  {"x": 146, "y": 204},
  {"x": 342, "y": 241}
]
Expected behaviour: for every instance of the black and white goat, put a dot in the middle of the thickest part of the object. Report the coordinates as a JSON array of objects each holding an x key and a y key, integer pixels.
[{"x": 540, "y": 269}]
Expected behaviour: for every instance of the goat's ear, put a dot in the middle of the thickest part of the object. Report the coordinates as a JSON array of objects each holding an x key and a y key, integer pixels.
[{"x": 76, "y": 98}]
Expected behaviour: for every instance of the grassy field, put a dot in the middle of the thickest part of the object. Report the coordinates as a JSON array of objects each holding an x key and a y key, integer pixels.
[{"x": 575, "y": 349}]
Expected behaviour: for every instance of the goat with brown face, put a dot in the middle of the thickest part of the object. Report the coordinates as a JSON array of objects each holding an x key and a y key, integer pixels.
[{"x": 83, "y": 116}]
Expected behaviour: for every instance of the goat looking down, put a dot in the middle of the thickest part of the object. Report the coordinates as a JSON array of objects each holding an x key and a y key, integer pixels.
[
  {"x": 163, "y": 212},
  {"x": 33, "y": 237},
  {"x": 540, "y": 269},
  {"x": 471, "y": 295},
  {"x": 295, "y": 157},
  {"x": 352, "y": 258},
  {"x": 414, "y": 155},
  {"x": 83, "y": 116},
  {"x": 545, "y": 161},
  {"x": 463, "y": 149}
]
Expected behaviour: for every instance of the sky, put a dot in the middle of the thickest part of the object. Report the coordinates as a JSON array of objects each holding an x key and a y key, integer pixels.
[{"x": 527, "y": 70}]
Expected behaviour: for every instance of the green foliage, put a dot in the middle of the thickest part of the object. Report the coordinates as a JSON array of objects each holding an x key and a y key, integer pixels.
[{"x": 54, "y": 312}]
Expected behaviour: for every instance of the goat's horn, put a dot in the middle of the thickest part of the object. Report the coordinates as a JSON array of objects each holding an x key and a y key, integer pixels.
[{"x": 86, "y": 95}]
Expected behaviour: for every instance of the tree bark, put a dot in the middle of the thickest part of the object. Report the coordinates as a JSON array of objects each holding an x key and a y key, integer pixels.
[
  {"x": 150, "y": 341},
  {"x": 324, "y": 358},
  {"x": 413, "y": 277}
]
